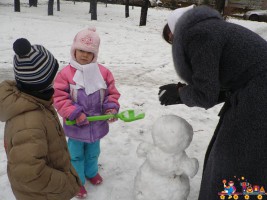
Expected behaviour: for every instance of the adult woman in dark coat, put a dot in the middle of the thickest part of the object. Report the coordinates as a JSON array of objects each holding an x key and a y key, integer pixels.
[{"x": 222, "y": 62}]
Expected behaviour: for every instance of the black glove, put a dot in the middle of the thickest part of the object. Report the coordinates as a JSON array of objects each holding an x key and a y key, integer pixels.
[
  {"x": 169, "y": 94},
  {"x": 224, "y": 95}
]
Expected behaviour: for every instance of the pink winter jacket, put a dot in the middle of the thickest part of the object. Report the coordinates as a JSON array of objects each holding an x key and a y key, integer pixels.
[{"x": 70, "y": 103}]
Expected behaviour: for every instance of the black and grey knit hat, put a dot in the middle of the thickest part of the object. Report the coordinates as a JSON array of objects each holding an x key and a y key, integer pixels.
[{"x": 34, "y": 66}]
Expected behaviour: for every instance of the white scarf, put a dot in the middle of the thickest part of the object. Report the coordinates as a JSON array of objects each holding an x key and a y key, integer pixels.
[{"x": 88, "y": 77}]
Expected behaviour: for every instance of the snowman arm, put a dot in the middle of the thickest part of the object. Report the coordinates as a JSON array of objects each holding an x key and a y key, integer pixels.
[
  {"x": 143, "y": 149},
  {"x": 189, "y": 166}
]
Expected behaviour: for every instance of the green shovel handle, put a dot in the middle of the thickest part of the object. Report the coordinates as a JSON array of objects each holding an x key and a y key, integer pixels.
[
  {"x": 126, "y": 116},
  {"x": 91, "y": 119}
]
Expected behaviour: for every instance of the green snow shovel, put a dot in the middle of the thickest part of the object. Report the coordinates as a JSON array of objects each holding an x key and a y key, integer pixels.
[{"x": 126, "y": 116}]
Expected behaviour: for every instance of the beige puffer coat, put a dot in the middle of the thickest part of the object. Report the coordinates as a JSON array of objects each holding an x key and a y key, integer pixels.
[{"x": 38, "y": 165}]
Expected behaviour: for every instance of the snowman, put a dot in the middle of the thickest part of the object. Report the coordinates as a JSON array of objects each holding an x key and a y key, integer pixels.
[{"x": 165, "y": 173}]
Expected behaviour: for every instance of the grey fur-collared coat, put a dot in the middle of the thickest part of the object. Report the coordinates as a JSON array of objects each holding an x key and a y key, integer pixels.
[{"x": 225, "y": 62}]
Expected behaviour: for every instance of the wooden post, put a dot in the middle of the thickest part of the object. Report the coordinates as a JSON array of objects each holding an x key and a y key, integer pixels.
[
  {"x": 127, "y": 8},
  {"x": 50, "y": 7},
  {"x": 17, "y": 5},
  {"x": 93, "y": 9},
  {"x": 58, "y": 5}
]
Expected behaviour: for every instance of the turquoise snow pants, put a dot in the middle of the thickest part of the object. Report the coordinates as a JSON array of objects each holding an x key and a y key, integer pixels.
[{"x": 84, "y": 158}]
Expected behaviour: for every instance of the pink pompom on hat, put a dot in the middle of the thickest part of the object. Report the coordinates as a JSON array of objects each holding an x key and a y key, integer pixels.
[{"x": 87, "y": 40}]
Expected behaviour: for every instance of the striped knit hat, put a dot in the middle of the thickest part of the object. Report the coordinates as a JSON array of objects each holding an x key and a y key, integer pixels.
[{"x": 34, "y": 66}]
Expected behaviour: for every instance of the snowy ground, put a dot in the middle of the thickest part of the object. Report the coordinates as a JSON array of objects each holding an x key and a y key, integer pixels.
[{"x": 140, "y": 61}]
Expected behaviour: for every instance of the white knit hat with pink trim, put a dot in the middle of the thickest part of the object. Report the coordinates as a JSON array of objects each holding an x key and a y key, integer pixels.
[
  {"x": 87, "y": 40},
  {"x": 176, "y": 15}
]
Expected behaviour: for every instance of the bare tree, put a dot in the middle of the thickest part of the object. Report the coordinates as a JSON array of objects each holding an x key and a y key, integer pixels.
[
  {"x": 219, "y": 5},
  {"x": 127, "y": 8},
  {"x": 93, "y": 9},
  {"x": 144, "y": 10},
  {"x": 17, "y": 5},
  {"x": 50, "y": 7}
]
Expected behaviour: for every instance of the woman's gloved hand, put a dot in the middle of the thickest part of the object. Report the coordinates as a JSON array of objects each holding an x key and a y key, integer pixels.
[{"x": 169, "y": 94}]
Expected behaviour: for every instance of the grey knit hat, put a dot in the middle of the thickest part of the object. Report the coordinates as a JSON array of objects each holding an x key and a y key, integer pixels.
[{"x": 34, "y": 66}]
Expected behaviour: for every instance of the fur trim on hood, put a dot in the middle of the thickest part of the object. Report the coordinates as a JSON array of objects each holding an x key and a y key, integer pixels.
[{"x": 186, "y": 21}]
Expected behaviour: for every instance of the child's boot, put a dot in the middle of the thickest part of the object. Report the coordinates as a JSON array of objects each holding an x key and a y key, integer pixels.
[
  {"x": 96, "y": 180},
  {"x": 82, "y": 193}
]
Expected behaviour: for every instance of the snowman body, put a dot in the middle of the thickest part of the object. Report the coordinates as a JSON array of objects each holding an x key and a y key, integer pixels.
[
  {"x": 151, "y": 181},
  {"x": 165, "y": 173}
]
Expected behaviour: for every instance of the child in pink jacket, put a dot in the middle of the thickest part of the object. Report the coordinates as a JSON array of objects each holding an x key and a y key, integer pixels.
[{"x": 85, "y": 88}]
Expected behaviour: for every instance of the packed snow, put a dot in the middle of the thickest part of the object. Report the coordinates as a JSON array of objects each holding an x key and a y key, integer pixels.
[
  {"x": 140, "y": 61},
  {"x": 166, "y": 161}
]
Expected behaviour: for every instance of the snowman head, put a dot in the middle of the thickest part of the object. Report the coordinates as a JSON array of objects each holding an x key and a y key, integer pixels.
[{"x": 172, "y": 134}]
